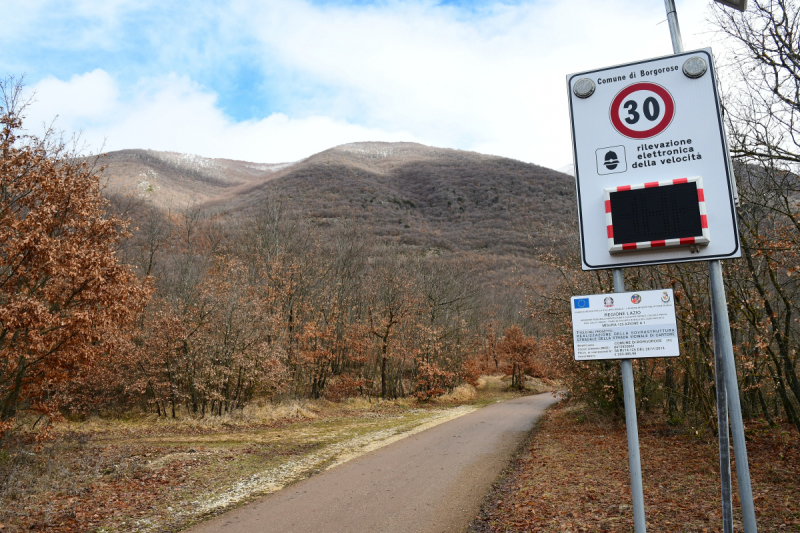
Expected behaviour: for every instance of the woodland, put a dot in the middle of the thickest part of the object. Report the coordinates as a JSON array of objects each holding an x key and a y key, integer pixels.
[
  {"x": 110, "y": 304},
  {"x": 196, "y": 313}
]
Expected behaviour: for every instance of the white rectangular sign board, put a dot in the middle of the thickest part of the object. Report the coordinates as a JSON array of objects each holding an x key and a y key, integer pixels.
[
  {"x": 624, "y": 325},
  {"x": 639, "y": 129}
]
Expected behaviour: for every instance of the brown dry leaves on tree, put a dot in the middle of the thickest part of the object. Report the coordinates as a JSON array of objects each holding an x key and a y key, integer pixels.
[
  {"x": 520, "y": 353},
  {"x": 63, "y": 293}
]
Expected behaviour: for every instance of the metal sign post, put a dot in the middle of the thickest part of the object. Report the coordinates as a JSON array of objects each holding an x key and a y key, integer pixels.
[
  {"x": 722, "y": 427},
  {"x": 627, "y": 325},
  {"x": 632, "y": 427},
  {"x": 725, "y": 348},
  {"x": 727, "y": 384}
]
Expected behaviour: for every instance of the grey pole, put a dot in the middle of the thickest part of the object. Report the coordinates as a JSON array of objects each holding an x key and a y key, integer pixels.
[
  {"x": 720, "y": 313},
  {"x": 634, "y": 459},
  {"x": 674, "y": 29},
  {"x": 722, "y": 424},
  {"x": 723, "y": 359}
]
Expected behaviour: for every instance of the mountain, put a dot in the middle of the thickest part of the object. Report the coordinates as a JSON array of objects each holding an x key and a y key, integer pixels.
[
  {"x": 498, "y": 212},
  {"x": 429, "y": 197},
  {"x": 171, "y": 180}
]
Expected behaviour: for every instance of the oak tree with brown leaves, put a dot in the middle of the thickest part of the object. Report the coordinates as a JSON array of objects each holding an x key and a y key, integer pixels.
[{"x": 64, "y": 295}]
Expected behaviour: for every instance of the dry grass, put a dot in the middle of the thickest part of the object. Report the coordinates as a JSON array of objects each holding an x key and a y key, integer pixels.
[
  {"x": 538, "y": 385},
  {"x": 501, "y": 382},
  {"x": 144, "y": 473},
  {"x": 462, "y": 393},
  {"x": 497, "y": 382}
]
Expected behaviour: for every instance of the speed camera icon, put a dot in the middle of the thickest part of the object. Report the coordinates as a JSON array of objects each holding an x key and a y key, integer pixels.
[{"x": 611, "y": 160}]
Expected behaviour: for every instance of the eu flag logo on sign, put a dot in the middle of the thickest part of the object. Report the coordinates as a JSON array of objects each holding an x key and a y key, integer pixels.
[{"x": 581, "y": 303}]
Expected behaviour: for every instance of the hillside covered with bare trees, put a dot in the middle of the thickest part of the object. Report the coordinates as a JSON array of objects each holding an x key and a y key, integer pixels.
[{"x": 369, "y": 269}]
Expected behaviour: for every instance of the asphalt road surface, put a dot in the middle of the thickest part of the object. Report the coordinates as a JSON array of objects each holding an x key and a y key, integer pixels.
[{"x": 431, "y": 482}]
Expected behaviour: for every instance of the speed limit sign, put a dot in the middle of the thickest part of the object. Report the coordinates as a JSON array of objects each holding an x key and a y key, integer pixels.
[
  {"x": 642, "y": 110},
  {"x": 651, "y": 163}
]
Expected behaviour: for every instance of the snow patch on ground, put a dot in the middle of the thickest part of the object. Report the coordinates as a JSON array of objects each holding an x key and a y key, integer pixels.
[
  {"x": 187, "y": 161},
  {"x": 211, "y": 167},
  {"x": 371, "y": 152},
  {"x": 269, "y": 167},
  {"x": 193, "y": 163},
  {"x": 149, "y": 184}
]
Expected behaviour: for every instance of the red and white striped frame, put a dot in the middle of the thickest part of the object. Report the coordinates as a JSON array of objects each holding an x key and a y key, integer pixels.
[{"x": 687, "y": 241}]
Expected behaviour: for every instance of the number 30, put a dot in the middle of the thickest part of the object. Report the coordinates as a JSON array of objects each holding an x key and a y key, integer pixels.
[{"x": 651, "y": 110}]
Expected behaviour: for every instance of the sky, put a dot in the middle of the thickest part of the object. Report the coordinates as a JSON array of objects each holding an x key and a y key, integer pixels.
[{"x": 272, "y": 81}]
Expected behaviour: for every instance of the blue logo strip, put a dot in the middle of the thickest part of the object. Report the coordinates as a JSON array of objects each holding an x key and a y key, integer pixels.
[{"x": 581, "y": 303}]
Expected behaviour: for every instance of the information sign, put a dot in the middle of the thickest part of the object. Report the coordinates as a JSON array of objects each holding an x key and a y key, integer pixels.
[
  {"x": 648, "y": 140},
  {"x": 624, "y": 325}
]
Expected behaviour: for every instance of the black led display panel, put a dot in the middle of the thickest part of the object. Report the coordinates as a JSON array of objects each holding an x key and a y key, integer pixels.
[{"x": 656, "y": 213}]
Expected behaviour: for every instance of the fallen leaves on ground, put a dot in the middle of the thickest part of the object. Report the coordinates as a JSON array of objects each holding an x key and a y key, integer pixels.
[{"x": 573, "y": 476}]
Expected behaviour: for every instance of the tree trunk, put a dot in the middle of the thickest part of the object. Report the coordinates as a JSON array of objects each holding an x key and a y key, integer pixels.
[
  {"x": 672, "y": 404},
  {"x": 10, "y": 402},
  {"x": 383, "y": 376}
]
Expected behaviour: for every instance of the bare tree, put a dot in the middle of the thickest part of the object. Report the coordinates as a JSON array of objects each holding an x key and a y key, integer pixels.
[
  {"x": 763, "y": 118},
  {"x": 764, "y": 105}
]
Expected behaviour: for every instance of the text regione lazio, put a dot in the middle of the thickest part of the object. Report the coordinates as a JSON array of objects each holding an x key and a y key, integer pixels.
[{"x": 625, "y": 325}]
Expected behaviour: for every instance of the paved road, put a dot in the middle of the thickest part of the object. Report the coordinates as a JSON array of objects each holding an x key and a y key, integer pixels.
[{"x": 431, "y": 482}]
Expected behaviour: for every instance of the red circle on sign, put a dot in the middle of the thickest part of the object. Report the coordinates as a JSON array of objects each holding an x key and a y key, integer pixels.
[{"x": 665, "y": 120}]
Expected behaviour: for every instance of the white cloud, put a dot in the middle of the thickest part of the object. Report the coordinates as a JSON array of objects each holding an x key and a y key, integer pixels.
[
  {"x": 492, "y": 81},
  {"x": 83, "y": 100},
  {"x": 174, "y": 114}
]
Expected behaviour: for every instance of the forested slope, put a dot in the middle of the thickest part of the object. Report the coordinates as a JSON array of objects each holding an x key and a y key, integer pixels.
[{"x": 429, "y": 197}]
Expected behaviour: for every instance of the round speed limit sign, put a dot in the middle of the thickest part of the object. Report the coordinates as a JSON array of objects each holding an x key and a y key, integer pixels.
[{"x": 642, "y": 110}]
